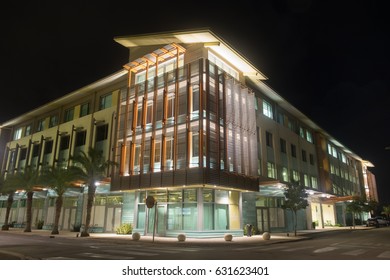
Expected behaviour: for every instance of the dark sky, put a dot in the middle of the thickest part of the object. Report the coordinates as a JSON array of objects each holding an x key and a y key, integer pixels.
[{"x": 329, "y": 60}]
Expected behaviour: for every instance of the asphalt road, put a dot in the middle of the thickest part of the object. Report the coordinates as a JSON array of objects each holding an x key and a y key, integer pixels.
[{"x": 370, "y": 244}]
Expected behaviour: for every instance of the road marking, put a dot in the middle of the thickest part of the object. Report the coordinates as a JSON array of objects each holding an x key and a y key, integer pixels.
[
  {"x": 385, "y": 255},
  {"x": 355, "y": 252},
  {"x": 103, "y": 256},
  {"x": 298, "y": 248},
  {"x": 326, "y": 249},
  {"x": 130, "y": 253},
  {"x": 273, "y": 248}
]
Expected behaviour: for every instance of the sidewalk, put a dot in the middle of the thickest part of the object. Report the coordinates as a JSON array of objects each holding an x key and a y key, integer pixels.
[{"x": 119, "y": 238}]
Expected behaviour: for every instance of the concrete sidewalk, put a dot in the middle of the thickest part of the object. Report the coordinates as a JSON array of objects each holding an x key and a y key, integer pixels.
[{"x": 119, "y": 238}]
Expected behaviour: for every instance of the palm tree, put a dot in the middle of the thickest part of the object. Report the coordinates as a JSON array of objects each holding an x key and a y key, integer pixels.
[
  {"x": 386, "y": 211},
  {"x": 92, "y": 168},
  {"x": 59, "y": 179},
  {"x": 5, "y": 189},
  {"x": 29, "y": 180}
]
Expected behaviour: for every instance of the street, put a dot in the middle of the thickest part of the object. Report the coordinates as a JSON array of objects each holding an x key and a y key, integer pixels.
[{"x": 372, "y": 244}]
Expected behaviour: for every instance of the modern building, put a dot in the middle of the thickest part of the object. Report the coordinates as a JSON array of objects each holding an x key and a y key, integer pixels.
[{"x": 193, "y": 124}]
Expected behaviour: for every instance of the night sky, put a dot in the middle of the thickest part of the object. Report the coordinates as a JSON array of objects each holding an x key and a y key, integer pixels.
[{"x": 330, "y": 60}]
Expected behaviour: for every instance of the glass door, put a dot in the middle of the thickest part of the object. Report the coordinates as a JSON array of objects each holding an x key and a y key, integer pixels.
[{"x": 262, "y": 216}]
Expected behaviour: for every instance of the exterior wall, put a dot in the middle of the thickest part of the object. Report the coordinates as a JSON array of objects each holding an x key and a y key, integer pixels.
[{"x": 193, "y": 126}]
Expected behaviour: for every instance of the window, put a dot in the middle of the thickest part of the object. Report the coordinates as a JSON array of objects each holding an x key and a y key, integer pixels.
[
  {"x": 80, "y": 138},
  {"x": 314, "y": 184},
  {"x": 271, "y": 170},
  {"x": 23, "y": 154},
  {"x": 18, "y": 134},
  {"x": 48, "y": 147},
  {"x": 84, "y": 109},
  {"x": 41, "y": 125},
  {"x": 305, "y": 180},
  {"x": 268, "y": 139},
  {"x": 69, "y": 114},
  {"x": 285, "y": 174},
  {"x": 283, "y": 146},
  {"x": 311, "y": 158},
  {"x": 101, "y": 132},
  {"x": 28, "y": 130},
  {"x": 293, "y": 150},
  {"x": 64, "y": 143},
  {"x": 53, "y": 121},
  {"x": 309, "y": 136},
  {"x": 223, "y": 65},
  {"x": 296, "y": 176},
  {"x": 267, "y": 109},
  {"x": 302, "y": 132},
  {"x": 35, "y": 150},
  {"x": 304, "y": 157},
  {"x": 105, "y": 101}
]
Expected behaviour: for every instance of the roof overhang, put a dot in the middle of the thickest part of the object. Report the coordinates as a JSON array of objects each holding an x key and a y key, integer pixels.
[{"x": 203, "y": 36}]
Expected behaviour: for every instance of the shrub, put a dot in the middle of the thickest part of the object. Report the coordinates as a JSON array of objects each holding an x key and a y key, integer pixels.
[
  {"x": 124, "y": 229},
  {"x": 39, "y": 224}
]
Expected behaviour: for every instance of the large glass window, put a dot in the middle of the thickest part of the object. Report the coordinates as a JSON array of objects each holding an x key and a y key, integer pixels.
[
  {"x": 267, "y": 109},
  {"x": 182, "y": 209},
  {"x": 271, "y": 170},
  {"x": 17, "y": 134}
]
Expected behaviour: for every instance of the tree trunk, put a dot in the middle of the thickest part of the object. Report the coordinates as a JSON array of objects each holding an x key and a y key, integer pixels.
[
  {"x": 295, "y": 222},
  {"x": 91, "y": 196},
  {"x": 59, "y": 202},
  {"x": 30, "y": 195},
  {"x": 10, "y": 200}
]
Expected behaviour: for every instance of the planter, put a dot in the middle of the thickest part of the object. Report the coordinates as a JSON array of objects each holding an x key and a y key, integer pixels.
[
  {"x": 181, "y": 237},
  {"x": 136, "y": 236},
  {"x": 228, "y": 237}
]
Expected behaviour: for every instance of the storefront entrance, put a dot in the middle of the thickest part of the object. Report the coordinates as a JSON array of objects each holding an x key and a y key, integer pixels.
[{"x": 262, "y": 218}]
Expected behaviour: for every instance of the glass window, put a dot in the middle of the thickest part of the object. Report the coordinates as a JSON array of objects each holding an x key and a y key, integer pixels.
[
  {"x": 101, "y": 132},
  {"x": 293, "y": 150},
  {"x": 222, "y": 65},
  {"x": 311, "y": 156},
  {"x": 48, "y": 147},
  {"x": 268, "y": 139},
  {"x": 271, "y": 170},
  {"x": 41, "y": 125},
  {"x": 285, "y": 174},
  {"x": 296, "y": 176},
  {"x": 306, "y": 180},
  {"x": 69, "y": 114},
  {"x": 283, "y": 146},
  {"x": 18, "y": 134},
  {"x": 53, "y": 121},
  {"x": 105, "y": 101},
  {"x": 64, "y": 142},
  {"x": 28, "y": 130},
  {"x": 304, "y": 157},
  {"x": 80, "y": 138},
  {"x": 35, "y": 150},
  {"x": 314, "y": 184},
  {"x": 267, "y": 109},
  {"x": 84, "y": 109},
  {"x": 309, "y": 136}
]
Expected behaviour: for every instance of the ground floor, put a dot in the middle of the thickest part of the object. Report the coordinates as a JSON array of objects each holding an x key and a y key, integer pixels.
[{"x": 197, "y": 211}]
